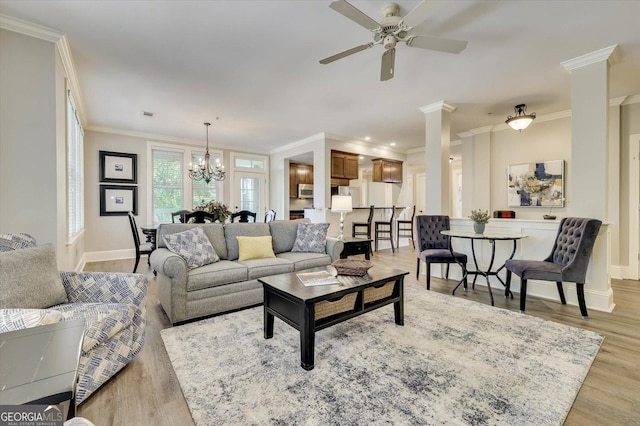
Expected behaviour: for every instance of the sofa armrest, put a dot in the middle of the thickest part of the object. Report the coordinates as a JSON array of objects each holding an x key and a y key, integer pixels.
[
  {"x": 105, "y": 287},
  {"x": 166, "y": 262},
  {"x": 334, "y": 248}
]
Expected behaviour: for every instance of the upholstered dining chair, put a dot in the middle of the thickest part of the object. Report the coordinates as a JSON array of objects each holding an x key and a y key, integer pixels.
[
  {"x": 269, "y": 216},
  {"x": 200, "y": 216},
  {"x": 383, "y": 230},
  {"x": 568, "y": 260},
  {"x": 405, "y": 229},
  {"x": 433, "y": 247},
  {"x": 244, "y": 216},
  {"x": 141, "y": 248},
  {"x": 180, "y": 214},
  {"x": 363, "y": 228}
]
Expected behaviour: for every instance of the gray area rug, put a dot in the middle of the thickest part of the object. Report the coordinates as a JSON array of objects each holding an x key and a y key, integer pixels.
[{"x": 453, "y": 362}]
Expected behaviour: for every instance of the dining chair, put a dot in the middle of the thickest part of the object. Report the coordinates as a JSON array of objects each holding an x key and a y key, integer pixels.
[
  {"x": 433, "y": 247},
  {"x": 383, "y": 230},
  {"x": 244, "y": 216},
  {"x": 568, "y": 260},
  {"x": 405, "y": 229},
  {"x": 200, "y": 216},
  {"x": 180, "y": 214},
  {"x": 363, "y": 228},
  {"x": 141, "y": 248},
  {"x": 269, "y": 216}
]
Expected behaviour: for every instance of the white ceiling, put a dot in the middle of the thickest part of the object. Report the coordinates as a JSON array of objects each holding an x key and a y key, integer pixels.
[{"x": 255, "y": 65}]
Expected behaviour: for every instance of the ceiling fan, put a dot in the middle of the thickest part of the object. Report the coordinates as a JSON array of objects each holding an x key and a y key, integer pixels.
[{"x": 391, "y": 30}]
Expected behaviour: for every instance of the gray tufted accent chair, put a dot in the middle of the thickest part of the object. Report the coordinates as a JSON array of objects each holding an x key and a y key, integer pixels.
[
  {"x": 433, "y": 247},
  {"x": 568, "y": 260}
]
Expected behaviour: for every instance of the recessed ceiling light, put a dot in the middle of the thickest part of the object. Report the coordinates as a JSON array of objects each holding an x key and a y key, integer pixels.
[
  {"x": 367, "y": 138},
  {"x": 392, "y": 144},
  {"x": 362, "y": 157},
  {"x": 148, "y": 114}
]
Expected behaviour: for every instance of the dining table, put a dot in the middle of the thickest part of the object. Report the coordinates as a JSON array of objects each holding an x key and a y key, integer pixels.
[{"x": 491, "y": 237}]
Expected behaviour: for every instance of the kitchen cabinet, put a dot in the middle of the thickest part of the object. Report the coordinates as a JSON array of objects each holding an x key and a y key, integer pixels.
[
  {"x": 299, "y": 174},
  {"x": 344, "y": 165},
  {"x": 385, "y": 170}
]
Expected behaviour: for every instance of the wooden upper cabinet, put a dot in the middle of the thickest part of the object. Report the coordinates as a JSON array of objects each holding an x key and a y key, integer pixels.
[
  {"x": 385, "y": 170},
  {"x": 299, "y": 173},
  {"x": 344, "y": 165}
]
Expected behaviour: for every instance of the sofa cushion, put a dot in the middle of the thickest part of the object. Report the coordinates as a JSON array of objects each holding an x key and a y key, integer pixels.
[
  {"x": 311, "y": 238},
  {"x": 103, "y": 320},
  {"x": 214, "y": 231},
  {"x": 264, "y": 267},
  {"x": 303, "y": 261},
  {"x": 233, "y": 230},
  {"x": 255, "y": 248},
  {"x": 215, "y": 274},
  {"x": 193, "y": 246},
  {"x": 284, "y": 234},
  {"x": 17, "y": 319},
  {"x": 29, "y": 278},
  {"x": 16, "y": 241}
]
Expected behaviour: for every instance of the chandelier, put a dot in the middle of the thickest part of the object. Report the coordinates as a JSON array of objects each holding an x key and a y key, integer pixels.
[
  {"x": 203, "y": 171},
  {"x": 521, "y": 120}
]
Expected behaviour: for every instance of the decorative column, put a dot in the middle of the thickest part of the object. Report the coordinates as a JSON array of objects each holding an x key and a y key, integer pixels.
[
  {"x": 437, "y": 140},
  {"x": 589, "y": 133}
]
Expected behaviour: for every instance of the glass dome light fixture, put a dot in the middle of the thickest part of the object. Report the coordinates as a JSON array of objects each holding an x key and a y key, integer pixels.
[
  {"x": 521, "y": 120},
  {"x": 204, "y": 171}
]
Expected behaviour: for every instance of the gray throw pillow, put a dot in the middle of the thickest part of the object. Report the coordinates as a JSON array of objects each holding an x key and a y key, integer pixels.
[
  {"x": 29, "y": 278},
  {"x": 193, "y": 246},
  {"x": 311, "y": 238}
]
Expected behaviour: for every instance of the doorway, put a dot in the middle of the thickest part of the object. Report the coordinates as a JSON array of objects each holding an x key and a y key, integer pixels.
[{"x": 249, "y": 193}]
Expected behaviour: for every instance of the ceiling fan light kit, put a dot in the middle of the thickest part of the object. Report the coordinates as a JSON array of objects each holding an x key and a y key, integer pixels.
[
  {"x": 521, "y": 120},
  {"x": 391, "y": 30}
]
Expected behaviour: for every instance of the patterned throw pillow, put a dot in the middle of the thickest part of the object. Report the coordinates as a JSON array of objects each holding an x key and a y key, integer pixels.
[
  {"x": 193, "y": 246},
  {"x": 311, "y": 238}
]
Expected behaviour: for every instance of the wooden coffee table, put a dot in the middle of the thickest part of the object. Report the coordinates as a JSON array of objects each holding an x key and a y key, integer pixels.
[{"x": 312, "y": 308}]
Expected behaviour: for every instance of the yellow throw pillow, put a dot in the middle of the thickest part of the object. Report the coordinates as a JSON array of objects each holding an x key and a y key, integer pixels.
[{"x": 254, "y": 248}]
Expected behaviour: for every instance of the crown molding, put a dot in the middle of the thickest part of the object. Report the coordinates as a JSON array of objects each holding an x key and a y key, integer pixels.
[
  {"x": 72, "y": 77},
  {"x": 437, "y": 106},
  {"x": 609, "y": 53},
  {"x": 631, "y": 100},
  {"x": 29, "y": 28},
  {"x": 481, "y": 130},
  {"x": 617, "y": 101},
  {"x": 313, "y": 138}
]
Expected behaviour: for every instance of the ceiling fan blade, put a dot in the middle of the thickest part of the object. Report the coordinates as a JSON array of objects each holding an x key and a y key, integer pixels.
[
  {"x": 351, "y": 12},
  {"x": 388, "y": 64},
  {"x": 345, "y": 53},
  {"x": 440, "y": 44},
  {"x": 421, "y": 12}
]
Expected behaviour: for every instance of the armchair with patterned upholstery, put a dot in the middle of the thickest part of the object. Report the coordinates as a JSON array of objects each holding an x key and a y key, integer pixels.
[{"x": 113, "y": 305}]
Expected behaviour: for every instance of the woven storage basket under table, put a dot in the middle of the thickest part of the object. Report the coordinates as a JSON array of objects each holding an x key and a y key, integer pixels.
[
  {"x": 352, "y": 267},
  {"x": 371, "y": 294},
  {"x": 327, "y": 308}
]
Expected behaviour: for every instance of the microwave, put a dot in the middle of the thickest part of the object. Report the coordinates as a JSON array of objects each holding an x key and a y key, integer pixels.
[{"x": 305, "y": 190}]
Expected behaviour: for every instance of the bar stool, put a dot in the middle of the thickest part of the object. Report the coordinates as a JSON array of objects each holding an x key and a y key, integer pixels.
[
  {"x": 366, "y": 225},
  {"x": 405, "y": 229},
  {"x": 384, "y": 230}
]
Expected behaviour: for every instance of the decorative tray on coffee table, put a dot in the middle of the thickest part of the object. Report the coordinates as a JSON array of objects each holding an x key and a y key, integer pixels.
[{"x": 352, "y": 267}]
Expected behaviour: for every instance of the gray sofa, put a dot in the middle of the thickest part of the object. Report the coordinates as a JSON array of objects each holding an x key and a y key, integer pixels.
[{"x": 229, "y": 284}]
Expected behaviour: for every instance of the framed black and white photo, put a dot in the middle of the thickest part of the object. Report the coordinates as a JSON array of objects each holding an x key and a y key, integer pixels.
[
  {"x": 118, "y": 167},
  {"x": 118, "y": 200}
]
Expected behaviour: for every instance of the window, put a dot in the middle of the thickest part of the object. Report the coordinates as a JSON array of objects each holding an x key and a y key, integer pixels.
[
  {"x": 202, "y": 191},
  {"x": 249, "y": 163},
  {"x": 75, "y": 171},
  {"x": 167, "y": 194}
]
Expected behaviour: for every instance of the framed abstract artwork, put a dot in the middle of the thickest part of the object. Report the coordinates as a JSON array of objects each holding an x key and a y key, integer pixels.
[
  {"x": 118, "y": 200},
  {"x": 536, "y": 184},
  {"x": 118, "y": 167}
]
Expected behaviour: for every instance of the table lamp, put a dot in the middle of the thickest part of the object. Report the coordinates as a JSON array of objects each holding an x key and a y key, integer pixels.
[{"x": 341, "y": 204}]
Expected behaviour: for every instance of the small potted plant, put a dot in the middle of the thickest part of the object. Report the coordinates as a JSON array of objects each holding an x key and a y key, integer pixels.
[{"x": 480, "y": 218}]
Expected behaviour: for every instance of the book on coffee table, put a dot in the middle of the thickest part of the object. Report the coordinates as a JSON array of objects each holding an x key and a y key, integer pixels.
[{"x": 317, "y": 278}]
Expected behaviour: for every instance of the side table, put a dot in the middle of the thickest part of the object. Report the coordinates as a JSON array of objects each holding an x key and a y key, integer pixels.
[
  {"x": 39, "y": 365},
  {"x": 353, "y": 246}
]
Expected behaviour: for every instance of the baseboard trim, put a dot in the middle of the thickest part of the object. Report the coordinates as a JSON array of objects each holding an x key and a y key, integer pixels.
[
  {"x": 101, "y": 256},
  {"x": 619, "y": 272}
]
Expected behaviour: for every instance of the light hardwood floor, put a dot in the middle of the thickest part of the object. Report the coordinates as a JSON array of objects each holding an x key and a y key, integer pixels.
[{"x": 146, "y": 392}]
